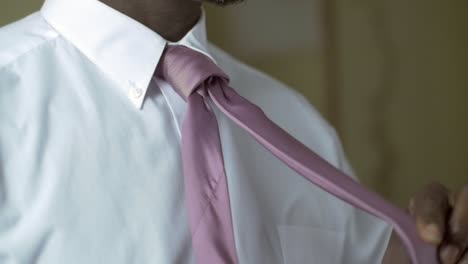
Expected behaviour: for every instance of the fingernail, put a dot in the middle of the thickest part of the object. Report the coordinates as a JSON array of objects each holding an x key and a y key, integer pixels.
[
  {"x": 432, "y": 233},
  {"x": 449, "y": 254}
]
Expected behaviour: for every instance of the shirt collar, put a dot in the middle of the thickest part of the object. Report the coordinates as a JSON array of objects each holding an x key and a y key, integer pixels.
[{"x": 123, "y": 48}]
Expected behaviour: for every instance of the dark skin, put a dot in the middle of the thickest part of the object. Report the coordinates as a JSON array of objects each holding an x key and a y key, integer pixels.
[
  {"x": 441, "y": 214},
  {"x": 442, "y": 220},
  {"x": 172, "y": 19}
]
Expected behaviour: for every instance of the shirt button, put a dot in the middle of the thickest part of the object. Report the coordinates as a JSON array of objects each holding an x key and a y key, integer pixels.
[{"x": 136, "y": 92}]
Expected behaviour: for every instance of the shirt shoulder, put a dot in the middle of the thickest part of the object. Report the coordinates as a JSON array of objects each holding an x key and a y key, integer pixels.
[
  {"x": 286, "y": 107},
  {"x": 22, "y": 36}
]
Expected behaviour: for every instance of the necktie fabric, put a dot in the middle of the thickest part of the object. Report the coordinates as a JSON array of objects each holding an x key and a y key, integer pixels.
[{"x": 197, "y": 79}]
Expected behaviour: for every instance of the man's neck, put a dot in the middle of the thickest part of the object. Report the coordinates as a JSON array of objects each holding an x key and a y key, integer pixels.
[{"x": 171, "y": 19}]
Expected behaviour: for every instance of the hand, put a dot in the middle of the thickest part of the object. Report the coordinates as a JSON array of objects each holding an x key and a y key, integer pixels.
[{"x": 442, "y": 219}]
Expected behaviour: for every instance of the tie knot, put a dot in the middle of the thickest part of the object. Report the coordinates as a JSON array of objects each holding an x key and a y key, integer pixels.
[{"x": 186, "y": 69}]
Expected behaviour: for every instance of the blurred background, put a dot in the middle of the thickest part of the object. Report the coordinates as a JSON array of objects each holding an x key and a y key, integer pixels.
[{"x": 390, "y": 75}]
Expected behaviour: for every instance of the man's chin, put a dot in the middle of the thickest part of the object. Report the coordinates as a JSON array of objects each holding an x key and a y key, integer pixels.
[{"x": 223, "y": 2}]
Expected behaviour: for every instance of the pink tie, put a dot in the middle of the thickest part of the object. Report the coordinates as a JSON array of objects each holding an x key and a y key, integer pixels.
[{"x": 197, "y": 79}]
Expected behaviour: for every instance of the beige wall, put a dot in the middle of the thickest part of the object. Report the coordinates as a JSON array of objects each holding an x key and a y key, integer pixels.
[
  {"x": 404, "y": 89},
  {"x": 402, "y": 78},
  {"x": 11, "y": 10}
]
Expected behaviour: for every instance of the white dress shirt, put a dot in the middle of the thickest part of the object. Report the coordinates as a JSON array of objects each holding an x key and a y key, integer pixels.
[{"x": 90, "y": 162}]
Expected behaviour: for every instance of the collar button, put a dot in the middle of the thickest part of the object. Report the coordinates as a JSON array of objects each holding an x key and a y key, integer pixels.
[{"x": 135, "y": 92}]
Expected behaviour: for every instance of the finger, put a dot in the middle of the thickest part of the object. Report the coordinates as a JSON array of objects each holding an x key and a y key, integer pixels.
[
  {"x": 449, "y": 254},
  {"x": 430, "y": 207},
  {"x": 464, "y": 259},
  {"x": 458, "y": 224}
]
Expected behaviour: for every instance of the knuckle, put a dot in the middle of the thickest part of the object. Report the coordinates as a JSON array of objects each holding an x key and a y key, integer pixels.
[
  {"x": 435, "y": 192},
  {"x": 436, "y": 187},
  {"x": 433, "y": 205}
]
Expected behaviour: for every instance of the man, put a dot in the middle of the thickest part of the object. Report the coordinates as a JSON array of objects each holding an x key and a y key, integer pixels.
[{"x": 91, "y": 168}]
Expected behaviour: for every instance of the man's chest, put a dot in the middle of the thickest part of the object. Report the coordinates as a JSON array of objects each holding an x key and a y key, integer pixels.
[{"x": 88, "y": 179}]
